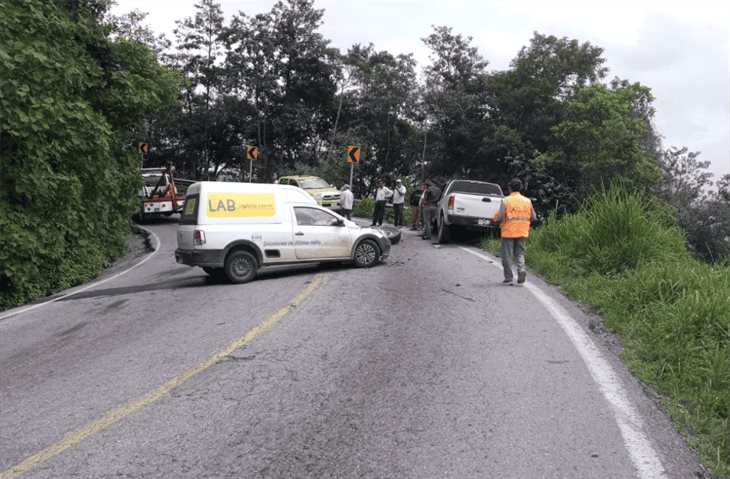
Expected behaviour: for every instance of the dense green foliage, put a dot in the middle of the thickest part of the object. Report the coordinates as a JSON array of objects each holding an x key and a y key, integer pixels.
[
  {"x": 622, "y": 255},
  {"x": 69, "y": 98},
  {"x": 704, "y": 214}
]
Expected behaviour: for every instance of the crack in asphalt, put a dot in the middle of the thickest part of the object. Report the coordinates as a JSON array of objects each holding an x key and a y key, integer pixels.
[{"x": 457, "y": 294}]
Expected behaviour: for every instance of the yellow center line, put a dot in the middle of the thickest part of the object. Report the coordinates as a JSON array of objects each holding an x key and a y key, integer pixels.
[{"x": 72, "y": 438}]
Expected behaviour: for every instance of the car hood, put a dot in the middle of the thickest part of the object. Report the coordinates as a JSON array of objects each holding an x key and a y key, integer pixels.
[{"x": 314, "y": 191}]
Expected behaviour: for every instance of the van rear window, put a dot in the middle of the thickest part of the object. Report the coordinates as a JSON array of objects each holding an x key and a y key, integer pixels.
[{"x": 189, "y": 214}]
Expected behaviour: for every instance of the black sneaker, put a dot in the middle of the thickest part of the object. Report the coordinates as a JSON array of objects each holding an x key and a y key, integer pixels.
[
  {"x": 521, "y": 277},
  {"x": 507, "y": 281}
]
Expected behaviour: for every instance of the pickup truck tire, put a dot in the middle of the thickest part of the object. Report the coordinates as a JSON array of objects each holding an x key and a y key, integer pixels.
[
  {"x": 367, "y": 254},
  {"x": 443, "y": 233},
  {"x": 240, "y": 267}
]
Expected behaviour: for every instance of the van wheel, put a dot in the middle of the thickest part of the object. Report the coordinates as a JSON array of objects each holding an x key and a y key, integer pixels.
[
  {"x": 366, "y": 254},
  {"x": 240, "y": 267}
]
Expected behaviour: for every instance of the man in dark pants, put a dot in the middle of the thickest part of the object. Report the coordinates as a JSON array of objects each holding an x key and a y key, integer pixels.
[
  {"x": 429, "y": 202},
  {"x": 399, "y": 198},
  {"x": 415, "y": 202},
  {"x": 382, "y": 193}
]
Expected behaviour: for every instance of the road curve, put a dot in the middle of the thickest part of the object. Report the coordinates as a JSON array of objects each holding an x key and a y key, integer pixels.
[{"x": 425, "y": 366}]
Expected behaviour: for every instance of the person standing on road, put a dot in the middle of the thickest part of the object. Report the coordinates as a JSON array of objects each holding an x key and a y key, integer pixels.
[
  {"x": 429, "y": 202},
  {"x": 399, "y": 198},
  {"x": 514, "y": 216},
  {"x": 347, "y": 199},
  {"x": 415, "y": 201},
  {"x": 382, "y": 193}
]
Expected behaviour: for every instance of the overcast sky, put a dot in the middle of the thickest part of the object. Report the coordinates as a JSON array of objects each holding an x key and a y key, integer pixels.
[{"x": 680, "y": 49}]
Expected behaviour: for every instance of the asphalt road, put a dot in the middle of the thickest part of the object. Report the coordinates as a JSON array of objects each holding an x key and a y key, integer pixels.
[{"x": 423, "y": 367}]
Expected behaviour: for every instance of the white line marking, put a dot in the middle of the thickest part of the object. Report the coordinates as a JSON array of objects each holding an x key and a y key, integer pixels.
[
  {"x": 15, "y": 312},
  {"x": 643, "y": 455}
]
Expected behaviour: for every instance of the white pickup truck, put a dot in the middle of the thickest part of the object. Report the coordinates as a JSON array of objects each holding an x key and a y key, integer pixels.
[{"x": 467, "y": 204}]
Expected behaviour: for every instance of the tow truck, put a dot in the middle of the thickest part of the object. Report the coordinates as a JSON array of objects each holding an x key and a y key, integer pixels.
[{"x": 158, "y": 195}]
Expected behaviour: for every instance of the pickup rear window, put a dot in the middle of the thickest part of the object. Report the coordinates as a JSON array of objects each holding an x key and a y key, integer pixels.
[
  {"x": 189, "y": 215},
  {"x": 475, "y": 188}
]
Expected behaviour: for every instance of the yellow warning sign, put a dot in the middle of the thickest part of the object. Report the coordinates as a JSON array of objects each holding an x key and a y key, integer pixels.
[
  {"x": 353, "y": 154},
  {"x": 241, "y": 205}
]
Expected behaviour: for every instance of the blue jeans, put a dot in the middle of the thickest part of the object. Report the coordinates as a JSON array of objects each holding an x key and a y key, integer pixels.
[{"x": 398, "y": 214}]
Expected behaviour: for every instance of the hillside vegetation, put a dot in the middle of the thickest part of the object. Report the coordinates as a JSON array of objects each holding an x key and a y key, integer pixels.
[
  {"x": 70, "y": 99},
  {"x": 622, "y": 254}
]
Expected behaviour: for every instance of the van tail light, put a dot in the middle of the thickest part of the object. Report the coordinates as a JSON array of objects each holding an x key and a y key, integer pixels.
[
  {"x": 198, "y": 237},
  {"x": 451, "y": 202}
]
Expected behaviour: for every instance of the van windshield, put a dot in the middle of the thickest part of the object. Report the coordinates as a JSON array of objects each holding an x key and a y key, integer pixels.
[
  {"x": 313, "y": 183},
  {"x": 189, "y": 215}
]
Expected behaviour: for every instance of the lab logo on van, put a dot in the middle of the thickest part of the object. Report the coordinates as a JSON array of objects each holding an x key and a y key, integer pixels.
[{"x": 241, "y": 205}]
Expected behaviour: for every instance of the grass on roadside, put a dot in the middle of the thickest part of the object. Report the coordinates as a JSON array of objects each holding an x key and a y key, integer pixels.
[{"x": 622, "y": 255}]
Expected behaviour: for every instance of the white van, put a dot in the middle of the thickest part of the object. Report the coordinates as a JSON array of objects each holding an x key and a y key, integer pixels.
[{"x": 237, "y": 228}]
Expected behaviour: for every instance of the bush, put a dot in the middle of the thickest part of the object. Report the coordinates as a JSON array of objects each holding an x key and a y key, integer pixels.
[
  {"x": 614, "y": 231},
  {"x": 364, "y": 208},
  {"x": 67, "y": 185}
]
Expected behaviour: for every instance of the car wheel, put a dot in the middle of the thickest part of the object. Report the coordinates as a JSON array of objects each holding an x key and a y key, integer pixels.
[
  {"x": 366, "y": 254},
  {"x": 240, "y": 267}
]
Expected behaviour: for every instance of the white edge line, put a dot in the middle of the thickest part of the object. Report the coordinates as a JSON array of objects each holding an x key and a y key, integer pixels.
[
  {"x": 643, "y": 455},
  {"x": 15, "y": 312}
]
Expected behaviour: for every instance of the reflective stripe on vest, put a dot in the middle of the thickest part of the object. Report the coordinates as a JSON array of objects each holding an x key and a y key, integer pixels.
[{"x": 517, "y": 216}]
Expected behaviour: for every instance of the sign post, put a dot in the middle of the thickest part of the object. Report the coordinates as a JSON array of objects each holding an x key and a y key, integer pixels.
[
  {"x": 353, "y": 156},
  {"x": 252, "y": 153}
]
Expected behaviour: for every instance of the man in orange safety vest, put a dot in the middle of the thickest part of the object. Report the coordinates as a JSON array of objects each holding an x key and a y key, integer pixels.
[{"x": 514, "y": 216}]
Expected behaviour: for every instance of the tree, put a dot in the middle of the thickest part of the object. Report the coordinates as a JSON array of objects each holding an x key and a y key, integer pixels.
[
  {"x": 70, "y": 98},
  {"x": 457, "y": 103},
  {"x": 528, "y": 98},
  {"x": 599, "y": 140},
  {"x": 130, "y": 27},
  {"x": 378, "y": 109},
  {"x": 286, "y": 70},
  {"x": 685, "y": 178},
  {"x": 704, "y": 215},
  {"x": 199, "y": 45}
]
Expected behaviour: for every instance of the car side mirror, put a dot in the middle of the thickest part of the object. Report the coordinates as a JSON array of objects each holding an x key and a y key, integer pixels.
[{"x": 338, "y": 222}]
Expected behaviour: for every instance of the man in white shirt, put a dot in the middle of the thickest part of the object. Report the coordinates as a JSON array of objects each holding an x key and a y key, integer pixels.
[
  {"x": 382, "y": 193},
  {"x": 399, "y": 198},
  {"x": 347, "y": 199}
]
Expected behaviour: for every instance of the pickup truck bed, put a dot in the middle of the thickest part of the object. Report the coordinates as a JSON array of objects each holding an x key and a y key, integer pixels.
[{"x": 467, "y": 204}]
